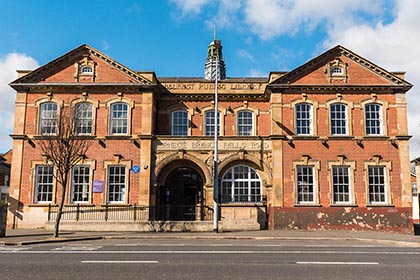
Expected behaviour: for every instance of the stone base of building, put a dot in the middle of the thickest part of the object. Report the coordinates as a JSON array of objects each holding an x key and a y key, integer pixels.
[
  {"x": 153, "y": 226},
  {"x": 343, "y": 218}
]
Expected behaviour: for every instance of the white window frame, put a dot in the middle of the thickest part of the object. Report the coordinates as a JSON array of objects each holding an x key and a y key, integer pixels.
[
  {"x": 48, "y": 117},
  {"x": 86, "y": 70},
  {"x": 84, "y": 118},
  {"x": 308, "y": 117},
  {"x": 44, "y": 184},
  {"x": 301, "y": 184},
  {"x": 336, "y": 71},
  {"x": 117, "y": 189},
  {"x": 85, "y": 184},
  {"x": 377, "y": 185},
  {"x": 338, "y": 118},
  {"x": 245, "y": 123},
  {"x": 241, "y": 184},
  {"x": 6, "y": 180},
  {"x": 182, "y": 123},
  {"x": 379, "y": 125},
  {"x": 119, "y": 123},
  {"x": 341, "y": 181},
  {"x": 209, "y": 127}
]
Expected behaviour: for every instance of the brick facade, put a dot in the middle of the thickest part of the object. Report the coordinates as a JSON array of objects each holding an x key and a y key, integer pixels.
[{"x": 274, "y": 151}]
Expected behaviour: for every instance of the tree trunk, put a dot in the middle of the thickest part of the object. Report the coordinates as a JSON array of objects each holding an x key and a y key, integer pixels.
[{"x": 60, "y": 208}]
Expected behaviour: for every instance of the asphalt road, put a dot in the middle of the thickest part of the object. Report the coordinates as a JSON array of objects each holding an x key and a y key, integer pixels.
[{"x": 210, "y": 259}]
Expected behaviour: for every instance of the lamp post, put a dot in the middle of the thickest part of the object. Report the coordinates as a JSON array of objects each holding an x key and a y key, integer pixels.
[{"x": 216, "y": 156}]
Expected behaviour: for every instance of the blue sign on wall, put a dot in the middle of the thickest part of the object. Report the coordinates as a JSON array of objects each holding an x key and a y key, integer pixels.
[
  {"x": 98, "y": 186},
  {"x": 135, "y": 169}
]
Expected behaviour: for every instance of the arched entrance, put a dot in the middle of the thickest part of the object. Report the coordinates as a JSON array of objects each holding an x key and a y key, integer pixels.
[{"x": 180, "y": 198}]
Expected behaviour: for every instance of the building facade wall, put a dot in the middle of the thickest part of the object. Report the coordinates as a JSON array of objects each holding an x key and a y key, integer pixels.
[{"x": 274, "y": 150}]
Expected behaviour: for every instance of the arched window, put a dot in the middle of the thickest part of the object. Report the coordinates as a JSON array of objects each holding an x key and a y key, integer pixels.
[
  {"x": 336, "y": 71},
  {"x": 83, "y": 118},
  {"x": 373, "y": 119},
  {"x": 48, "y": 118},
  {"x": 245, "y": 123},
  {"x": 119, "y": 119},
  {"x": 303, "y": 119},
  {"x": 338, "y": 119},
  {"x": 180, "y": 123},
  {"x": 241, "y": 184},
  {"x": 209, "y": 123},
  {"x": 86, "y": 70}
]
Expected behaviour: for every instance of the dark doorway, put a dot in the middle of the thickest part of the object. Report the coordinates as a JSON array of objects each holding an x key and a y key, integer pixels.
[{"x": 181, "y": 195}]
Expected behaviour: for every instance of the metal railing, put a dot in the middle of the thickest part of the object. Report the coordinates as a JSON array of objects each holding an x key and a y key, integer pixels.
[{"x": 109, "y": 212}]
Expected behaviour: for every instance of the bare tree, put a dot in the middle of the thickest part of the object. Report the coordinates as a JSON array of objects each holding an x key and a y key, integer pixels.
[{"x": 63, "y": 149}]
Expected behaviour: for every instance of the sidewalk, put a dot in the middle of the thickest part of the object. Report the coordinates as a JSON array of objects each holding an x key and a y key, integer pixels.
[{"x": 20, "y": 237}]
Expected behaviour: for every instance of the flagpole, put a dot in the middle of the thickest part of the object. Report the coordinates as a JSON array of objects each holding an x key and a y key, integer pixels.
[{"x": 216, "y": 147}]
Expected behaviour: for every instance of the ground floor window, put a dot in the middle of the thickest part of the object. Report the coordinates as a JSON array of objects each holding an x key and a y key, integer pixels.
[
  {"x": 341, "y": 184},
  {"x": 305, "y": 184},
  {"x": 241, "y": 184},
  {"x": 377, "y": 185},
  {"x": 43, "y": 184},
  {"x": 80, "y": 184},
  {"x": 117, "y": 182}
]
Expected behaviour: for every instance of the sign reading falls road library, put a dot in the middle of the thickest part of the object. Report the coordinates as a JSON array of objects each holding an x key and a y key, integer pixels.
[{"x": 249, "y": 145}]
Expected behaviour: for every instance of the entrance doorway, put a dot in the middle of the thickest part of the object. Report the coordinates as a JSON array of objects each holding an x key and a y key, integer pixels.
[{"x": 180, "y": 199}]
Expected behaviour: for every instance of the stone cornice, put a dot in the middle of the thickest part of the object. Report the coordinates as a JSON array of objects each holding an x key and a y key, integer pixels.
[
  {"x": 339, "y": 88},
  {"x": 45, "y": 87}
]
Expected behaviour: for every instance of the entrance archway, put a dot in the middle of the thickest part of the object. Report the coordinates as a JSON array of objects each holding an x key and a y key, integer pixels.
[{"x": 180, "y": 198}]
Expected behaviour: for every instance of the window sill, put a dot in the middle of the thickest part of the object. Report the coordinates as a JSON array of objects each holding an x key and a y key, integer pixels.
[
  {"x": 118, "y": 137},
  {"x": 304, "y": 137},
  {"x": 43, "y": 204},
  {"x": 380, "y": 205},
  {"x": 307, "y": 205},
  {"x": 242, "y": 204},
  {"x": 344, "y": 205},
  {"x": 339, "y": 137}
]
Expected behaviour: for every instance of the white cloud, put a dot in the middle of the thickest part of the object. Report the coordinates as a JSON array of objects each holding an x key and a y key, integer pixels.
[
  {"x": 257, "y": 73},
  {"x": 242, "y": 53},
  {"x": 393, "y": 46},
  {"x": 8, "y": 66},
  {"x": 271, "y": 18},
  {"x": 190, "y": 6}
]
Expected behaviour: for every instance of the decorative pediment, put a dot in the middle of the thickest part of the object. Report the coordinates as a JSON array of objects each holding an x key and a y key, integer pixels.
[
  {"x": 340, "y": 67},
  {"x": 83, "y": 65}
]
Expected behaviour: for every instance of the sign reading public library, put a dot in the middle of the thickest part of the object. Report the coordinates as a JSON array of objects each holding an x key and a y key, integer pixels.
[
  {"x": 211, "y": 86},
  {"x": 209, "y": 145}
]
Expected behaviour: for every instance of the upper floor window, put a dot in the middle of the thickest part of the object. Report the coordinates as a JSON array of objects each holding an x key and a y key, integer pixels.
[
  {"x": 48, "y": 118},
  {"x": 245, "y": 123},
  {"x": 373, "y": 119},
  {"x": 209, "y": 123},
  {"x": 336, "y": 71},
  {"x": 80, "y": 184},
  {"x": 6, "y": 180},
  {"x": 241, "y": 184},
  {"x": 86, "y": 70},
  {"x": 338, "y": 119},
  {"x": 83, "y": 116},
  {"x": 119, "y": 119},
  {"x": 303, "y": 119},
  {"x": 180, "y": 123},
  {"x": 43, "y": 184}
]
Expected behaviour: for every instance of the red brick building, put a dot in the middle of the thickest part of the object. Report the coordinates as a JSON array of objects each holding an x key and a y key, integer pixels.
[{"x": 324, "y": 146}]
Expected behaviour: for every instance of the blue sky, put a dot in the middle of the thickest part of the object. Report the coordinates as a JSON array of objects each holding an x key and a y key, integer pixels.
[{"x": 170, "y": 37}]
